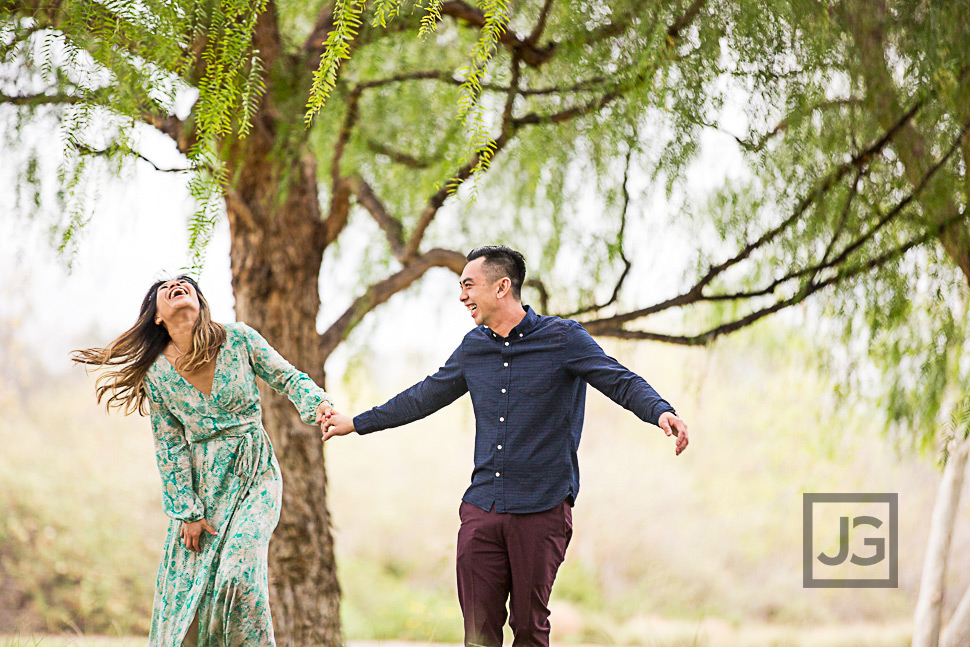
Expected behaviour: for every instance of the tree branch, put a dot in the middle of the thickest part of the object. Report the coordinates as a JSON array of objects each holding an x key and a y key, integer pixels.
[
  {"x": 40, "y": 99},
  {"x": 446, "y": 76},
  {"x": 340, "y": 198},
  {"x": 540, "y": 287},
  {"x": 173, "y": 127},
  {"x": 599, "y": 103},
  {"x": 384, "y": 290},
  {"x": 530, "y": 54},
  {"x": 685, "y": 19},
  {"x": 606, "y": 327},
  {"x": 789, "y": 120},
  {"x": 438, "y": 199},
  {"x": 99, "y": 20},
  {"x": 413, "y": 263},
  {"x": 397, "y": 156},
  {"x": 315, "y": 40},
  {"x": 114, "y": 149},
  {"x": 844, "y": 216},
  {"x": 391, "y": 226},
  {"x": 540, "y": 25},
  {"x": 861, "y": 159},
  {"x": 619, "y": 241},
  {"x": 313, "y": 46},
  {"x": 868, "y": 25},
  {"x": 613, "y": 326}
]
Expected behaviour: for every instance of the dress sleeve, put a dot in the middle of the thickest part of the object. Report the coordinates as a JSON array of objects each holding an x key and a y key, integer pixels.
[
  {"x": 302, "y": 391},
  {"x": 179, "y": 499}
]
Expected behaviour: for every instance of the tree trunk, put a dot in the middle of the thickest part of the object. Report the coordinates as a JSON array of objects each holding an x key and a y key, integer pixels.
[
  {"x": 957, "y": 632},
  {"x": 277, "y": 248},
  {"x": 278, "y": 239},
  {"x": 926, "y": 619}
]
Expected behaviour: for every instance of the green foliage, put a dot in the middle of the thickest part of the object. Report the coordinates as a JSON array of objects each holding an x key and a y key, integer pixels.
[
  {"x": 118, "y": 64},
  {"x": 846, "y": 204},
  {"x": 429, "y": 21},
  {"x": 469, "y": 107},
  {"x": 385, "y": 10},
  {"x": 232, "y": 78},
  {"x": 851, "y": 155},
  {"x": 347, "y": 22}
]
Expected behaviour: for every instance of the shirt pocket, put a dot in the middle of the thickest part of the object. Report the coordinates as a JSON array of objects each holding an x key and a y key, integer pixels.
[{"x": 531, "y": 386}]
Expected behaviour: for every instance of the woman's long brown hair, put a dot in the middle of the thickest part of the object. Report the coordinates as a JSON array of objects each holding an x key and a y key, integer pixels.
[{"x": 133, "y": 353}]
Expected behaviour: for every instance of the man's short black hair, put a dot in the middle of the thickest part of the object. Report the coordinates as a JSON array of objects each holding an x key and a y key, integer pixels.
[{"x": 501, "y": 262}]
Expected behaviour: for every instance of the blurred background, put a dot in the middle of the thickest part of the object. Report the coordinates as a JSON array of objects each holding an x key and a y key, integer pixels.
[
  {"x": 705, "y": 548},
  {"x": 778, "y": 189}
]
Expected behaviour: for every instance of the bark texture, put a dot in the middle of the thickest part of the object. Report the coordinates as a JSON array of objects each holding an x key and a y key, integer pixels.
[{"x": 278, "y": 241}]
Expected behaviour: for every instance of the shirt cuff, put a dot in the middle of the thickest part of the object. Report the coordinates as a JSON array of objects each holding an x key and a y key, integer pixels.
[
  {"x": 364, "y": 423},
  {"x": 656, "y": 421}
]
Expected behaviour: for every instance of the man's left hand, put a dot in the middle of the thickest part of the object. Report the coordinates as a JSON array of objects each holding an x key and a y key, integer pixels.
[{"x": 674, "y": 426}]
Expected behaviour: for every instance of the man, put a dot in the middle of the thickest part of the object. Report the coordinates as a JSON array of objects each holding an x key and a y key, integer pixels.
[{"x": 527, "y": 377}]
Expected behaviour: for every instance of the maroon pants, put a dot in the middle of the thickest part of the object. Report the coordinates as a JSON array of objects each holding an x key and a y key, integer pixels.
[{"x": 503, "y": 555}]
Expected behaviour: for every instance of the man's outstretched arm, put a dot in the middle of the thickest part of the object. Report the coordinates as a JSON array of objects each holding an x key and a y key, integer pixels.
[
  {"x": 586, "y": 359},
  {"x": 424, "y": 398}
]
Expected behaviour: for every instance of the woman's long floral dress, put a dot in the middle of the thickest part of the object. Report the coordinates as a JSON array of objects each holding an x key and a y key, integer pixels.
[{"x": 217, "y": 463}]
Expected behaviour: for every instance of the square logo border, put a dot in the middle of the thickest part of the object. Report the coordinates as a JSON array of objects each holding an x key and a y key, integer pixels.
[{"x": 808, "y": 558}]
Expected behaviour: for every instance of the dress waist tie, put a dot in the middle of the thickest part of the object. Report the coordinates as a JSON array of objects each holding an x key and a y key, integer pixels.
[{"x": 245, "y": 462}]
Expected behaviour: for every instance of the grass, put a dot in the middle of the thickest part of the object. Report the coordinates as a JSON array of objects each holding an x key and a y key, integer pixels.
[{"x": 702, "y": 549}]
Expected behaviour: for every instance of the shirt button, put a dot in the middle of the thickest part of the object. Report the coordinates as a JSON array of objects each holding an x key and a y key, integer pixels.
[
  {"x": 498, "y": 474},
  {"x": 499, "y": 447},
  {"x": 520, "y": 334},
  {"x": 503, "y": 390},
  {"x": 501, "y": 419},
  {"x": 506, "y": 343},
  {"x": 506, "y": 364}
]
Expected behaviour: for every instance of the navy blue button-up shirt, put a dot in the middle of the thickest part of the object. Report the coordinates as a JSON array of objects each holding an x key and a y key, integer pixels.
[{"x": 528, "y": 391}]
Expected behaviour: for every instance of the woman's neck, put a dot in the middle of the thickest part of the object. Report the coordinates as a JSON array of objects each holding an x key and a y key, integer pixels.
[{"x": 181, "y": 333}]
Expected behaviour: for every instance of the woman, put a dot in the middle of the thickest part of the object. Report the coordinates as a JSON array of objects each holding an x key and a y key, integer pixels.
[{"x": 221, "y": 482}]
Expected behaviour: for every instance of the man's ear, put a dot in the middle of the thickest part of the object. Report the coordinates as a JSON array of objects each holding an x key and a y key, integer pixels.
[{"x": 504, "y": 287}]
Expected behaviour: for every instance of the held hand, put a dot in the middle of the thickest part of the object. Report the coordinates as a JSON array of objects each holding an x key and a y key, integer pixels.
[
  {"x": 324, "y": 411},
  {"x": 191, "y": 533},
  {"x": 337, "y": 424},
  {"x": 674, "y": 426}
]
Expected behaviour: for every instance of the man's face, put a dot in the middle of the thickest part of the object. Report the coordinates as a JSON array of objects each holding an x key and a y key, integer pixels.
[{"x": 478, "y": 294}]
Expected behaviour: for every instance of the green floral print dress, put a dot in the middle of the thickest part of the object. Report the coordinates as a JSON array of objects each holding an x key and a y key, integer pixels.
[{"x": 217, "y": 463}]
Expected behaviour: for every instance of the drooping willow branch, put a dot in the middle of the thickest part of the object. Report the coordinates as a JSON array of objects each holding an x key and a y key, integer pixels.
[
  {"x": 613, "y": 326},
  {"x": 412, "y": 260}
]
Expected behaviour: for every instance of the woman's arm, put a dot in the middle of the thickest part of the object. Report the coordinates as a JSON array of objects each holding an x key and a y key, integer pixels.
[
  {"x": 179, "y": 499},
  {"x": 303, "y": 392}
]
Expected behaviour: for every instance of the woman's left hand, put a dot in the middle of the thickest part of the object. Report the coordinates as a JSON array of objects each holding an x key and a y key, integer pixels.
[{"x": 324, "y": 411}]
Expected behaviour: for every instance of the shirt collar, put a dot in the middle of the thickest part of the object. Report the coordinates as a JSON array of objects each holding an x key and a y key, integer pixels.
[
  {"x": 525, "y": 326},
  {"x": 521, "y": 329}
]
